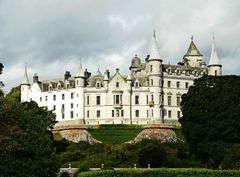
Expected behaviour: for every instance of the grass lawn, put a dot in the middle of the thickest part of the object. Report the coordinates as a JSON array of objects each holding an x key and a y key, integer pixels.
[{"x": 115, "y": 134}]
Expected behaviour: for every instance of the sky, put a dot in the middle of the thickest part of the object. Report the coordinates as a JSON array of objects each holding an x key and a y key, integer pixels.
[{"x": 52, "y": 35}]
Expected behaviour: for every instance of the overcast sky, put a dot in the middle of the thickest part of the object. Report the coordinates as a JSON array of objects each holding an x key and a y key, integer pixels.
[{"x": 51, "y": 35}]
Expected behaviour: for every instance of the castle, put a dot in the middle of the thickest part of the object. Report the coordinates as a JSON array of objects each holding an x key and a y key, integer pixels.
[{"x": 149, "y": 94}]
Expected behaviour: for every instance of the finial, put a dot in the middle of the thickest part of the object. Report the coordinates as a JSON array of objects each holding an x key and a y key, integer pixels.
[{"x": 192, "y": 37}]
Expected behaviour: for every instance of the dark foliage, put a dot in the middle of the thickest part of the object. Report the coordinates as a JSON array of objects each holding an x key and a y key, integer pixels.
[
  {"x": 25, "y": 140},
  {"x": 1, "y": 83},
  {"x": 210, "y": 121}
]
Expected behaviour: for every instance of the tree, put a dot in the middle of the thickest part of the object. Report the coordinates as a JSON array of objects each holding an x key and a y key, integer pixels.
[
  {"x": 210, "y": 121},
  {"x": 232, "y": 158},
  {"x": 26, "y": 142},
  {"x": 15, "y": 94},
  {"x": 1, "y": 83}
]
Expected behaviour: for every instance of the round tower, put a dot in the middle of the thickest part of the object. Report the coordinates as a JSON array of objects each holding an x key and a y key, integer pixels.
[
  {"x": 25, "y": 86},
  {"x": 154, "y": 75},
  {"x": 214, "y": 66}
]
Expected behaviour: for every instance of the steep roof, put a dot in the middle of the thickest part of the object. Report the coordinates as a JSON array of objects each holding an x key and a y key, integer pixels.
[
  {"x": 193, "y": 50},
  {"x": 25, "y": 77},
  {"x": 214, "y": 57},
  {"x": 154, "y": 52}
]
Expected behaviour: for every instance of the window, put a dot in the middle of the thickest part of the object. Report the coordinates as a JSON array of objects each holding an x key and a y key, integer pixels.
[
  {"x": 186, "y": 85},
  {"x": 169, "y": 114},
  {"x": 117, "y": 84},
  {"x": 178, "y": 114},
  {"x": 147, "y": 99},
  {"x": 46, "y": 98},
  {"x": 215, "y": 72},
  {"x": 178, "y": 84},
  {"x": 117, "y": 113},
  {"x": 169, "y": 100},
  {"x": 98, "y": 85},
  {"x": 151, "y": 68},
  {"x": 62, "y": 116},
  {"x": 112, "y": 113},
  {"x": 122, "y": 113},
  {"x": 50, "y": 88},
  {"x": 136, "y": 113},
  {"x": 71, "y": 95},
  {"x": 68, "y": 86},
  {"x": 136, "y": 99},
  {"x": 151, "y": 82},
  {"x": 152, "y": 98},
  {"x": 71, "y": 105},
  {"x": 87, "y": 114},
  {"x": 87, "y": 100},
  {"x": 54, "y": 107},
  {"x": 71, "y": 114},
  {"x": 178, "y": 100},
  {"x": 147, "y": 113},
  {"x": 117, "y": 99},
  {"x": 98, "y": 113},
  {"x": 98, "y": 100},
  {"x": 59, "y": 87},
  {"x": 152, "y": 112},
  {"x": 63, "y": 96},
  {"x": 63, "y": 108},
  {"x": 169, "y": 83},
  {"x": 54, "y": 97}
]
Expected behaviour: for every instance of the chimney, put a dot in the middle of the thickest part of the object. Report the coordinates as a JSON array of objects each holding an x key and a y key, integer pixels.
[{"x": 67, "y": 75}]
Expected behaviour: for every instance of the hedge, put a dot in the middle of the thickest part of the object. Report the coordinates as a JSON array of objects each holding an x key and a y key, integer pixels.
[{"x": 161, "y": 173}]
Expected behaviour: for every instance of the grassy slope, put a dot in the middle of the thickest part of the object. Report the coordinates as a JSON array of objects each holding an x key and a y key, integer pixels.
[{"x": 115, "y": 134}]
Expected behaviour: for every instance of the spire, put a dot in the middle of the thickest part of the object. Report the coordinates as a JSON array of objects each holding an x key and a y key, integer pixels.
[
  {"x": 25, "y": 77},
  {"x": 214, "y": 57},
  {"x": 154, "y": 52},
  {"x": 80, "y": 72},
  {"x": 98, "y": 72},
  {"x": 192, "y": 50}
]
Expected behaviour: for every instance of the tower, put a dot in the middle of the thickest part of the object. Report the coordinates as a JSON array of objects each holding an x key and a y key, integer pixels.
[
  {"x": 154, "y": 76},
  {"x": 193, "y": 57},
  {"x": 79, "y": 93},
  {"x": 25, "y": 86},
  {"x": 214, "y": 66}
]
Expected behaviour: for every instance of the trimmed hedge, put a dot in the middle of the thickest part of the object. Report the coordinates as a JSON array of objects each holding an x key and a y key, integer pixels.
[{"x": 161, "y": 173}]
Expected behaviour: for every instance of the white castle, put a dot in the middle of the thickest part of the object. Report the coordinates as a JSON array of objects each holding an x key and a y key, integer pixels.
[{"x": 149, "y": 94}]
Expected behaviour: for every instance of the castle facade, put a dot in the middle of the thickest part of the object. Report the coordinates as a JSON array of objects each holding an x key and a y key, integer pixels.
[{"x": 149, "y": 94}]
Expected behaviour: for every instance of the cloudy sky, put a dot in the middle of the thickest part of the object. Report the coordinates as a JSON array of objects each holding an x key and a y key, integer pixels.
[{"x": 51, "y": 35}]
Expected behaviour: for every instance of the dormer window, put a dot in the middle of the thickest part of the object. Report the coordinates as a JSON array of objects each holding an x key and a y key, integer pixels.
[
  {"x": 117, "y": 84},
  {"x": 68, "y": 86},
  {"x": 50, "y": 88},
  {"x": 59, "y": 86},
  {"x": 98, "y": 84},
  {"x": 178, "y": 71}
]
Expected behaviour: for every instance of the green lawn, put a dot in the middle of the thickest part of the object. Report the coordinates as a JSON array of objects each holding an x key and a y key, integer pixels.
[
  {"x": 115, "y": 134},
  {"x": 162, "y": 172}
]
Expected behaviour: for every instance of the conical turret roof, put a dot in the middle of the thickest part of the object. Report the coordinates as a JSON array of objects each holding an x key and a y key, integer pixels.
[
  {"x": 214, "y": 60},
  {"x": 154, "y": 52},
  {"x": 25, "y": 77},
  {"x": 80, "y": 72}
]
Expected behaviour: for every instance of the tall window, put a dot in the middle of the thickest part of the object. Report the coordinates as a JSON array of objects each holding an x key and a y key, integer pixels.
[
  {"x": 98, "y": 100},
  {"x": 152, "y": 112},
  {"x": 63, "y": 108},
  {"x": 87, "y": 100},
  {"x": 151, "y": 68},
  {"x": 40, "y": 99},
  {"x": 152, "y": 98},
  {"x": 54, "y": 107},
  {"x": 169, "y": 100},
  {"x": 63, "y": 96},
  {"x": 117, "y": 113},
  {"x": 136, "y": 99},
  {"x": 178, "y": 100},
  {"x": 169, "y": 114},
  {"x": 98, "y": 113},
  {"x": 71, "y": 95},
  {"x": 178, "y": 114},
  {"x": 136, "y": 113},
  {"x": 151, "y": 82},
  {"x": 122, "y": 113},
  {"x": 169, "y": 83},
  {"x": 71, "y": 114},
  {"x": 117, "y": 84},
  {"x": 46, "y": 98},
  {"x": 147, "y": 113},
  {"x": 54, "y": 97},
  {"x": 215, "y": 72},
  {"x": 186, "y": 85},
  {"x": 87, "y": 114},
  {"x": 71, "y": 105},
  {"x": 178, "y": 84},
  {"x": 63, "y": 116},
  {"x": 112, "y": 113},
  {"x": 147, "y": 99},
  {"x": 117, "y": 99}
]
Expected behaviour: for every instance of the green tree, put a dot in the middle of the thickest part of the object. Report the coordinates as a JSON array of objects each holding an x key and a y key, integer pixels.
[
  {"x": 15, "y": 94},
  {"x": 1, "y": 83},
  {"x": 232, "y": 158},
  {"x": 210, "y": 121},
  {"x": 26, "y": 142}
]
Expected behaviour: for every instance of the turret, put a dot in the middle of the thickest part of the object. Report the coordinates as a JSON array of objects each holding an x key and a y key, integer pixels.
[
  {"x": 193, "y": 57},
  {"x": 214, "y": 66},
  {"x": 25, "y": 87},
  {"x": 80, "y": 77}
]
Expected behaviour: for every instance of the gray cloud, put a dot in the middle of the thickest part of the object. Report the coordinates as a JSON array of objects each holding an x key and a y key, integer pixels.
[{"x": 50, "y": 35}]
